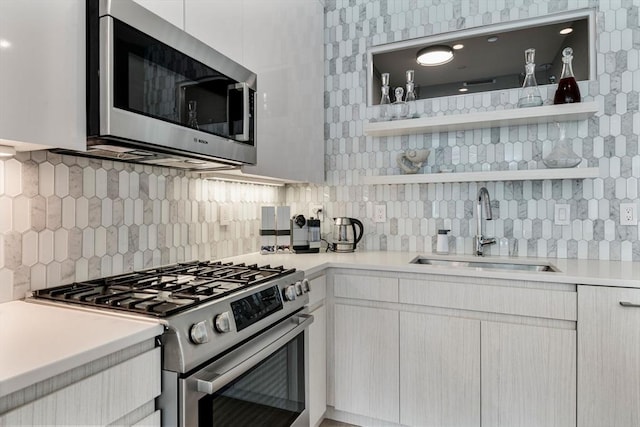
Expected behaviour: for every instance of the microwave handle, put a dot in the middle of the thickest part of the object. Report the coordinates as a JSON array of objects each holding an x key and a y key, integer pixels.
[
  {"x": 246, "y": 111},
  {"x": 214, "y": 381}
]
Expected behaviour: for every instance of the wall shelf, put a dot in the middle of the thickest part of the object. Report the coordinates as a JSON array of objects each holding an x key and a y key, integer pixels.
[
  {"x": 484, "y": 119},
  {"x": 509, "y": 175}
]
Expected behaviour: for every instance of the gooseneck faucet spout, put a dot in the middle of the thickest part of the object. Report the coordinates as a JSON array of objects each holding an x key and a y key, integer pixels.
[{"x": 483, "y": 202}]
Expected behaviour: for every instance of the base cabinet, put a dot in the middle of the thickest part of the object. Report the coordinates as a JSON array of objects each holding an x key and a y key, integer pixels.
[
  {"x": 446, "y": 351},
  {"x": 97, "y": 400},
  {"x": 439, "y": 371},
  {"x": 608, "y": 357},
  {"x": 367, "y": 362},
  {"x": 528, "y": 376}
]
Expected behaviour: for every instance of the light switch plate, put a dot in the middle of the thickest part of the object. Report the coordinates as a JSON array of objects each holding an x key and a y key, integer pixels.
[{"x": 562, "y": 214}]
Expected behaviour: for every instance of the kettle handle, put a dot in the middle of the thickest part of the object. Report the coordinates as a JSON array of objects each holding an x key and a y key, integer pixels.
[{"x": 359, "y": 224}]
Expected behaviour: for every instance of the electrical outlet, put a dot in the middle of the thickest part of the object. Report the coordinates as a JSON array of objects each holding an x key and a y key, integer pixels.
[
  {"x": 562, "y": 214},
  {"x": 225, "y": 214},
  {"x": 315, "y": 211},
  {"x": 380, "y": 213},
  {"x": 628, "y": 214}
]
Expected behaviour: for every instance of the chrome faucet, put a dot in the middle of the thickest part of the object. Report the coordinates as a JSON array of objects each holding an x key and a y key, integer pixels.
[{"x": 483, "y": 202}]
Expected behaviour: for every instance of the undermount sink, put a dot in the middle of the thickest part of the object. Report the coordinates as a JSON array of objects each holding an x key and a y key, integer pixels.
[{"x": 489, "y": 264}]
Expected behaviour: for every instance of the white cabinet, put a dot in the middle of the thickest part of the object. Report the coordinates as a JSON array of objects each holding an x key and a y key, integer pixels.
[
  {"x": 42, "y": 74},
  {"x": 282, "y": 41},
  {"x": 99, "y": 399},
  {"x": 169, "y": 10},
  {"x": 317, "y": 351},
  {"x": 439, "y": 371},
  {"x": 218, "y": 23},
  {"x": 452, "y": 351},
  {"x": 284, "y": 45},
  {"x": 528, "y": 376},
  {"x": 367, "y": 362},
  {"x": 608, "y": 357}
]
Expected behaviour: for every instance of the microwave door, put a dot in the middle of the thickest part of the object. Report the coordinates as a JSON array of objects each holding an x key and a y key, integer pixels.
[{"x": 238, "y": 111}]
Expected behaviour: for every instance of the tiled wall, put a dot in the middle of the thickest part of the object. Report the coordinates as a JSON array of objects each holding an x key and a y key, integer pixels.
[
  {"x": 525, "y": 210},
  {"x": 65, "y": 218}
]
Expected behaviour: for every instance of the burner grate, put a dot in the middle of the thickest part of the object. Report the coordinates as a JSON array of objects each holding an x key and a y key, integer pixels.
[{"x": 166, "y": 290}]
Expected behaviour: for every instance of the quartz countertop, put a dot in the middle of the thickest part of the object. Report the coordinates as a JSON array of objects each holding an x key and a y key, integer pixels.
[
  {"x": 575, "y": 271},
  {"x": 39, "y": 341}
]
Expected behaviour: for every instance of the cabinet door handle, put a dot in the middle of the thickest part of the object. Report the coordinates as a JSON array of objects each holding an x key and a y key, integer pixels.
[{"x": 629, "y": 304}]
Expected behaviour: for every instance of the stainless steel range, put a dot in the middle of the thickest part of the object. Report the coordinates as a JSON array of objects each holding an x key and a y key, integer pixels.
[{"x": 235, "y": 350}]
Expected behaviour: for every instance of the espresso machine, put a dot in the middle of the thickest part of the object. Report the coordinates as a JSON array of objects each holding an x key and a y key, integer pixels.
[{"x": 305, "y": 235}]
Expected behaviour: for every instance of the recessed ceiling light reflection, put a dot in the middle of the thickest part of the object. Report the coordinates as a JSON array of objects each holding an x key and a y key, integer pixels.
[
  {"x": 492, "y": 39},
  {"x": 434, "y": 55},
  {"x": 567, "y": 30},
  {"x": 5, "y": 44},
  {"x": 457, "y": 46},
  {"x": 463, "y": 89}
]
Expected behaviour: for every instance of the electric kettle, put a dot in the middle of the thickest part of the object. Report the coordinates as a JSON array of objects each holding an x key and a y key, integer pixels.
[{"x": 345, "y": 237}]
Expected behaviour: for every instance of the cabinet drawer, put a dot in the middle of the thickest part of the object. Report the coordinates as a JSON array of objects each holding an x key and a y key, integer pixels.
[
  {"x": 366, "y": 287},
  {"x": 96, "y": 400},
  {"x": 505, "y": 299}
]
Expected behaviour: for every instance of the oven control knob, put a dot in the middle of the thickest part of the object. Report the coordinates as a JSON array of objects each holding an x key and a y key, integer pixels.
[
  {"x": 290, "y": 293},
  {"x": 222, "y": 322},
  {"x": 305, "y": 286},
  {"x": 298, "y": 288},
  {"x": 198, "y": 333}
]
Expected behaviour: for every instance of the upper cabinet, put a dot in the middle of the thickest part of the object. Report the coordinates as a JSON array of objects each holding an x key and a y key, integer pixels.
[
  {"x": 218, "y": 23},
  {"x": 42, "y": 74},
  {"x": 282, "y": 42}
]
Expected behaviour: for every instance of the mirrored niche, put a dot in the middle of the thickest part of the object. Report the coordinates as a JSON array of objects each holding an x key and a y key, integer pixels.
[{"x": 488, "y": 58}]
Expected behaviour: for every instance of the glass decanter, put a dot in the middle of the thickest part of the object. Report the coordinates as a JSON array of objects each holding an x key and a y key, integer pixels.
[
  {"x": 568, "y": 90},
  {"x": 385, "y": 100},
  {"x": 400, "y": 108},
  {"x": 530, "y": 94},
  {"x": 192, "y": 114},
  {"x": 562, "y": 154},
  {"x": 411, "y": 95}
]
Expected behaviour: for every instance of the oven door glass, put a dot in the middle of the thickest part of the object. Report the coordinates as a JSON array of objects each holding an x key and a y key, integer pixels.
[
  {"x": 156, "y": 80},
  {"x": 270, "y": 394}
]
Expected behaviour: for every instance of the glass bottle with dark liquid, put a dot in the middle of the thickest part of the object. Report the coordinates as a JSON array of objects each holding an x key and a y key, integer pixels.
[{"x": 568, "y": 90}]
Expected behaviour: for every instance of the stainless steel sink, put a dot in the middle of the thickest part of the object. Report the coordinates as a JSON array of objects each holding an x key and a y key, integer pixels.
[{"x": 489, "y": 264}]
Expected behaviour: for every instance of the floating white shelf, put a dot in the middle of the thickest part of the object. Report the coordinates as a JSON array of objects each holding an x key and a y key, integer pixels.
[
  {"x": 484, "y": 119},
  {"x": 509, "y": 175}
]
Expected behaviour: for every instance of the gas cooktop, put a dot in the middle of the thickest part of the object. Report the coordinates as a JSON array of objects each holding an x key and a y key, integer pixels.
[{"x": 164, "y": 291}]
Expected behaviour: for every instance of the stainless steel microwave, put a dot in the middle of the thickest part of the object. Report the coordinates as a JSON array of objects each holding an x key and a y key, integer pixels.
[{"x": 157, "y": 95}]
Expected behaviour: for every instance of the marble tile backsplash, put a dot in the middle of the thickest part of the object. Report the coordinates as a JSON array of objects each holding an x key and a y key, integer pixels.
[
  {"x": 65, "y": 218},
  {"x": 523, "y": 211}
]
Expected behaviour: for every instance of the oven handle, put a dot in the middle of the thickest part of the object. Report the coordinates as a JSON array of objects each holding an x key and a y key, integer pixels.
[{"x": 214, "y": 381}]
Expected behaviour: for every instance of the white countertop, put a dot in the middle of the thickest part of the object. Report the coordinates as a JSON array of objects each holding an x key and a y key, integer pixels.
[
  {"x": 585, "y": 272},
  {"x": 39, "y": 341}
]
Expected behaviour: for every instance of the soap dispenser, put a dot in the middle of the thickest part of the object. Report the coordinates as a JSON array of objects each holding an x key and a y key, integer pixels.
[{"x": 442, "y": 243}]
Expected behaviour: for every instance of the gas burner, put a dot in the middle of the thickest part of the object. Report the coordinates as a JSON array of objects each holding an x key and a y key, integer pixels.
[{"x": 166, "y": 290}]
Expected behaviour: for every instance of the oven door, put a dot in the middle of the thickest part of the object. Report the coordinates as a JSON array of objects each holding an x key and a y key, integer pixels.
[{"x": 263, "y": 382}]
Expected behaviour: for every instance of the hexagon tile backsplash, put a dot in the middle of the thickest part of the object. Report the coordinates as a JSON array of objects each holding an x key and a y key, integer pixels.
[
  {"x": 523, "y": 211},
  {"x": 65, "y": 218}
]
